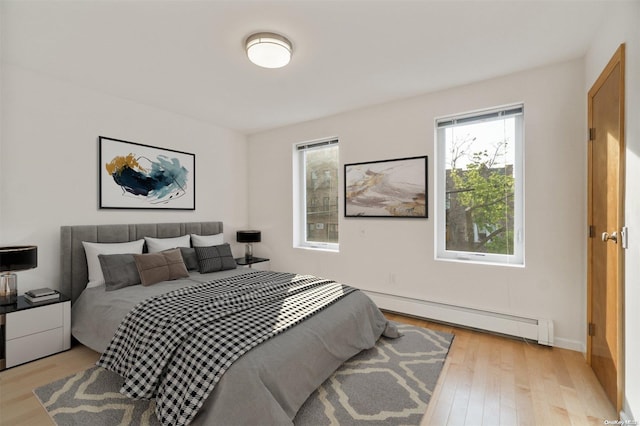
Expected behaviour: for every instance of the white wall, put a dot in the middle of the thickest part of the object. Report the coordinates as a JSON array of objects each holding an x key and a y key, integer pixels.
[
  {"x": 396, "y": 256},
  {"x": 621, "y": 26},
  {"x": 49, "y": 164}
]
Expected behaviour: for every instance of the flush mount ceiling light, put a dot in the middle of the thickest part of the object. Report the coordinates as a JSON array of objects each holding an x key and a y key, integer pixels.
[{"x": 268, "y": 50}]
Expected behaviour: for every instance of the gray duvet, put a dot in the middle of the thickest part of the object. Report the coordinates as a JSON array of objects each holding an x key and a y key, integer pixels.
[{"x": 268, "y": 384}]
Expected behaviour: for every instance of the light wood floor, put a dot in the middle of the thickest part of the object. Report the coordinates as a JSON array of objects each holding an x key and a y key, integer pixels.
[
  {"x": 493, "y": 380},
  {"x": 487, "y": 380}
]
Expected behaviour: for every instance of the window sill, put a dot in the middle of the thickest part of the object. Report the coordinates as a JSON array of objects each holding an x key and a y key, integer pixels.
[
  {"x": 318, "y": 248},
  {"x": 470, "y": 260}
]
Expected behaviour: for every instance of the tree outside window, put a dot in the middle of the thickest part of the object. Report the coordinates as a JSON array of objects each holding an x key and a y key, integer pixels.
[{"x": 480, "y": 197}]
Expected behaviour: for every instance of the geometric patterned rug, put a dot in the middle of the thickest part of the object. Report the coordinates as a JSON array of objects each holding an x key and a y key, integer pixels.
[{"x": 389, "y": 384}]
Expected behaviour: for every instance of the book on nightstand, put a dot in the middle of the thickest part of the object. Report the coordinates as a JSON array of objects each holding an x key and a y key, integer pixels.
[{"x": 41, "y": 295}]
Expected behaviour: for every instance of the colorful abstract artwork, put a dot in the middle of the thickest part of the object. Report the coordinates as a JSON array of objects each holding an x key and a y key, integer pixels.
[
  {"x": 137, "y": 176},
  {"x": 389, "y": 188}
]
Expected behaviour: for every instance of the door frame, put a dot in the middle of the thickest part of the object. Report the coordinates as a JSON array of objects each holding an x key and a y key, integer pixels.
[{"x": 617, "y": 58}]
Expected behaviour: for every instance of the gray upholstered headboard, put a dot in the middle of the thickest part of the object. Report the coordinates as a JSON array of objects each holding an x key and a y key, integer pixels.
[{"x": 74, "y": 261}]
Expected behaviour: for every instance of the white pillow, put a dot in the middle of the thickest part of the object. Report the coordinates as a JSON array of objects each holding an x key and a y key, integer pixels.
[
  {"x": 155, "y": 245},
  {"x": 92, "y": 250},
  {"x": 207, "y": 240}
]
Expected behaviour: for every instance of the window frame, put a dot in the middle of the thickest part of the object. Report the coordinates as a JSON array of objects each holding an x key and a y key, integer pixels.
[
  {"x": 440, "y": 125},
  {"x": 300, "y": 224}
]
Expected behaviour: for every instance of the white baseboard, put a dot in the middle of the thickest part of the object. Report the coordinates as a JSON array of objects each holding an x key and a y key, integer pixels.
[
  {"x": 626, "y": 415},
  {"x": 572, "y": 345},
  {"x": 536, "y": 329}
]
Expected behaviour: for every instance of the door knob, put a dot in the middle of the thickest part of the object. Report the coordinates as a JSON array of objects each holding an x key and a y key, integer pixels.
[{"x": 613, "y": 237}]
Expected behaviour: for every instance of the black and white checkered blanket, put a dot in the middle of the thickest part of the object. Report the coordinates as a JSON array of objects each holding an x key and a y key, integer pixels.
[{"x": 176, "y": 346}]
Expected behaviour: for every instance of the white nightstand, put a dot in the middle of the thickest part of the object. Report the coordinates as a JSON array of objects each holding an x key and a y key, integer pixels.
[{"x": 31, "y": 331}]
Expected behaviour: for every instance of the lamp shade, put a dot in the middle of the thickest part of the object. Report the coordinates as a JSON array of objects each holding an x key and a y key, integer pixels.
[
  {"x": 18, "y": 258},
  {"x": 249, "y": 236}
]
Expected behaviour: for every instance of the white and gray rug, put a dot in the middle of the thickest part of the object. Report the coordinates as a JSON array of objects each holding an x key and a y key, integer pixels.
[{"x": 389, "y": 384}]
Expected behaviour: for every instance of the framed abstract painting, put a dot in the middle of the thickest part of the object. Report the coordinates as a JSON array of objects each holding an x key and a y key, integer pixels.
[
  {"x": 388, "y": 188},
  {"x": 137, "y": 176}
]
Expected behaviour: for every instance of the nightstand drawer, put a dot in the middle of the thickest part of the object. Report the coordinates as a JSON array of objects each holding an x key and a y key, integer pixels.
[
  {"x": 33, "y": 331},
  {"x": 33, "y": 346},
  {"x": 31, "y": 321}
]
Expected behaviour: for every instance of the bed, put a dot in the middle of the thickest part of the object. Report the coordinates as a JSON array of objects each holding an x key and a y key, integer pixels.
[{"x": 258, "y": 388}]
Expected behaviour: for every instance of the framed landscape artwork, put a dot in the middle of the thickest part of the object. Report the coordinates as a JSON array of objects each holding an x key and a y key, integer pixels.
[
  {"x": 389, "y": 188},
  {"x": 137, "y": 176}
]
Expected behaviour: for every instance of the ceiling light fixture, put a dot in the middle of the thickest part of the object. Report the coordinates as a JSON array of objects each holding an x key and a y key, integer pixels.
[{"x": 268, "y": 50}]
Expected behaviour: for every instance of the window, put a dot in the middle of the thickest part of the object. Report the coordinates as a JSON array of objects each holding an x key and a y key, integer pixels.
[
  {"x": 316, "y": 195},
  {"x": 479, "y": 190}
]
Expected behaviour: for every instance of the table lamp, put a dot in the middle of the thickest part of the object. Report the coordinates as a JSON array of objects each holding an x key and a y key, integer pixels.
[
  {"x": 14, "y": 258},
  {"x": 249, "y": 237}
]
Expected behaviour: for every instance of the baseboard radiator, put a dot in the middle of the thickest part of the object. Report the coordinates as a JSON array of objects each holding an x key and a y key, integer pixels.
[{"x": 536, "y": 329}]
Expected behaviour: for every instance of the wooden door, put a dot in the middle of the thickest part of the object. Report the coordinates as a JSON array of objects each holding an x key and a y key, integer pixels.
[{"x": 606, "y": 219}]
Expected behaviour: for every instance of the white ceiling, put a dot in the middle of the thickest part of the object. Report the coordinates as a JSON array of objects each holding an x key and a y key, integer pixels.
[{"x": 188, "y": 56}]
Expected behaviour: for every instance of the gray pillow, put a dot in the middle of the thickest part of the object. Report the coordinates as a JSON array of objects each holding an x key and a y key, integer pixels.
[
  {"x": 215, "y": 258},
  {"x": 190, "y": 258},
  {"x": 119, "y": 270}
]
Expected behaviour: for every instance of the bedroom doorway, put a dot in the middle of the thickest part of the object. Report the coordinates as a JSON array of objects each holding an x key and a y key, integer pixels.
[{"x": 606, "y": 220}]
